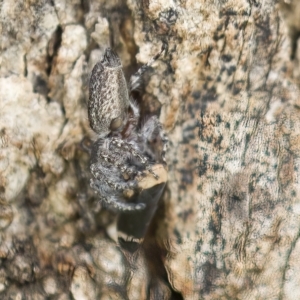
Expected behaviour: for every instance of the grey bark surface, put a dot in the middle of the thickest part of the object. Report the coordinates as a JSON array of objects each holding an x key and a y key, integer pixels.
[{"x": 227, "y": 93}]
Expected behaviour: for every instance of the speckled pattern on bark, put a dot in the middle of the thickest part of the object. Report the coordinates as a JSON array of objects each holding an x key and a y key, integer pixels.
[{"x": 227, "y": 91}]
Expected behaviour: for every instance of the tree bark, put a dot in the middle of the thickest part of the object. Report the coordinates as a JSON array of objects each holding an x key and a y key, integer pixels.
[{"x": 227, "y": 93}]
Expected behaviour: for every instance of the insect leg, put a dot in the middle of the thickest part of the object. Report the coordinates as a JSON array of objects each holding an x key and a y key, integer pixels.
[
  {"x": 135, "y": 80},
  {"x": 111, "y": 199},
  {"x": 150, "y": 130}
]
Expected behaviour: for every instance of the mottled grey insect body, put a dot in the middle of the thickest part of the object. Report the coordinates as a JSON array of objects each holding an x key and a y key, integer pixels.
[
  {"x": 109, "y": 99},
  {"x": 123, "y": 152}
]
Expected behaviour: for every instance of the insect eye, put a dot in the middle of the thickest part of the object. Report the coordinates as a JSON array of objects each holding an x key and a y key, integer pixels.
[{"x": 115, "y": 124}]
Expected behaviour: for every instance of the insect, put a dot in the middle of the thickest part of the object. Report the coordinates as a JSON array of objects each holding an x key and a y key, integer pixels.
[{"x": 126, "y": 149}]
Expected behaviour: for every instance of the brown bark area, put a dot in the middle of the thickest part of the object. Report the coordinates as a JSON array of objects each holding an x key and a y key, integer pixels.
[{"x": 228, "y": 226}]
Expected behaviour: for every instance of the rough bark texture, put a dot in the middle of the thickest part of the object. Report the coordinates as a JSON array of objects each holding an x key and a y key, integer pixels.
[{"x": 228, "y": 226}]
